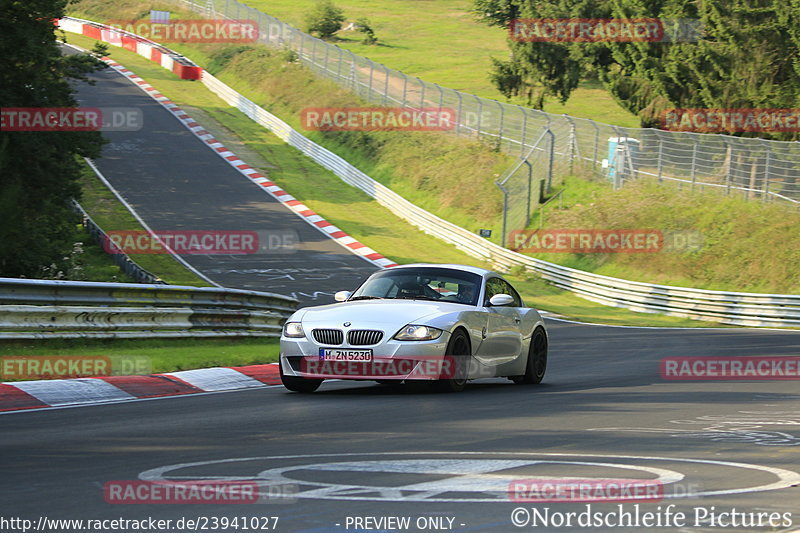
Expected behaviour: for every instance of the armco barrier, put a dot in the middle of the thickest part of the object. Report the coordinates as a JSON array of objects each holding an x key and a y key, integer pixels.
[
  {"x": 165, "y": 57},
  {"x": 738, "y": 308},
  {"x": 122, "y": 260},
  {"x": 36, "y": 309}
]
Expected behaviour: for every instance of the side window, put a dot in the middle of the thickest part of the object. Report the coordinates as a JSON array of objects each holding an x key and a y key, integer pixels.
[
  {"x": 493, "y": 286},
  {"x": 508, "y": 289},
  {"x": 500, "y": 286}
]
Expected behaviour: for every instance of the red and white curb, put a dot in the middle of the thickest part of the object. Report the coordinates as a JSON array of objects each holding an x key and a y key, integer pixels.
[
  {"x": 289, "y": 201},
  {"x": 22, "y": 395}
]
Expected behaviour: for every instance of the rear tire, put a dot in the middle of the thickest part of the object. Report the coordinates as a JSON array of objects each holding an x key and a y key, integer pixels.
[
  {"x": 458, "y": 351},
  {"x": 537, "y": 360},
  {"x": 295, "y": 384}
]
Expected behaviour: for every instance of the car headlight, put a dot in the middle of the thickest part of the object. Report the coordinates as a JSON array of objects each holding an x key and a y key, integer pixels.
[
  {"x": 293, "y": 329},
  {"x": 413, "y": 332}
]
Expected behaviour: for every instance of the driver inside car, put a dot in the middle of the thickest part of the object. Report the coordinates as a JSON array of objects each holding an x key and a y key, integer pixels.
[{"x": 466, "y": 293}]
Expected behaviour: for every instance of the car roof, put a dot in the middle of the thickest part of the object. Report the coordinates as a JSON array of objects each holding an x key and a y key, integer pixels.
[{"x": 466, "y": 268}]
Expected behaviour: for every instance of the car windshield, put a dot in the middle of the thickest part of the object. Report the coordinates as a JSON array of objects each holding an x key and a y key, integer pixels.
[{"x": 424, "y": 283}]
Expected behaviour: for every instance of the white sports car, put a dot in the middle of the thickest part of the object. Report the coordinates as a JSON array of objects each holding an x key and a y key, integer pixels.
[{"x": 442, "y": 323}]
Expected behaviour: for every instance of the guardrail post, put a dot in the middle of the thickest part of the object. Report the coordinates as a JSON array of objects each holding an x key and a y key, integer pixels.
[
  {"x": 694, "y": 162},
  {"x": 353, "y": 73},
  {"x": 369, "y": 86},
  {"x": 302, "y": 44},
  {"x": 385, "y": 86},
  {"x": 505, "y": 212},
  {"x": 530, "y": 187},
  {"x": 550, "y": 157},
  {"x": 500, "y": 125},
  {"x": 460, "y": 112},
  {"x": 480, "y": 116},
  {"x": 339, "y": 66},
  {"x": 766, "y": 168},
  {"x": 524, "y": 133},
  {"x": 729, "y": 160},
  {"x": 571, "y": 143}
]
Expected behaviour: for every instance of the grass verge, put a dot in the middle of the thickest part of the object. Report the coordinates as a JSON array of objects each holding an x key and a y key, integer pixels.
[{"x": 464, "y": 48}]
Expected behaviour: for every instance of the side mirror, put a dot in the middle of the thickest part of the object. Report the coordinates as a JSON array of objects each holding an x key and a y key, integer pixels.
[
  {"x": 499, "y": 300},
  {"x": 342, "y": 296}
]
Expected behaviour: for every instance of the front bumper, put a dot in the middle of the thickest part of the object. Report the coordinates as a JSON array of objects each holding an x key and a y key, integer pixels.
[{"x": 391, "y": 360}]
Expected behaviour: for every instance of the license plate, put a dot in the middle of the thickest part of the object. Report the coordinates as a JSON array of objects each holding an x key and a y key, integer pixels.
[{"x": 337, "y": 354}]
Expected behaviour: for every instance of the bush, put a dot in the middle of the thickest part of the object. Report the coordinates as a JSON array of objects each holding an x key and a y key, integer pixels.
[
  {"x": 325, "y": 20},
  {"x": 362, "y": 25}
]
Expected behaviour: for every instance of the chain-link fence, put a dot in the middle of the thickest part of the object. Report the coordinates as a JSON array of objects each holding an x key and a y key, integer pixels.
[
  {"x": 527, "y": 184},
  {"x": 754, "y": 167}
]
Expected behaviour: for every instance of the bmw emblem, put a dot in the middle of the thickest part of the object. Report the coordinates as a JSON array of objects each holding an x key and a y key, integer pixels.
[{"x": 347, "y": 324}]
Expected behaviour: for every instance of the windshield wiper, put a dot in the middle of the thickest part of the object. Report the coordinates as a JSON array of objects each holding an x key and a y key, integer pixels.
[
  {"x": 365, "y": 298},
  {"x": 427, "y": 298}
]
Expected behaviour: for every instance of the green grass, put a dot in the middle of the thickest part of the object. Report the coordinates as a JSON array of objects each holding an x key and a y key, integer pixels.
[
  {"x": 104, "y": 208},
  {"x": 346, "y": 206},
  {"x": 446, "y": 46},
  {"x": 744, "y": 245},
  {"x": 164, "y": 355},
  {"x": 86, "y": 262},
  {"x": 442, "y": 42}
]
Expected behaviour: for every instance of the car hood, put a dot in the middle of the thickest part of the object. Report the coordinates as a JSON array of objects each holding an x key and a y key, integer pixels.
[{"x": 371, "y": 313}]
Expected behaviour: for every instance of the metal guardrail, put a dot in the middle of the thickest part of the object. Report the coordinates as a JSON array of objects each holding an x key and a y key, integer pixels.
[
  {"x": 122, "y": 260},
  {"x": 36, "y": 309},
  {"x": 738, "y": 308},
  {"x": 746, "y": 309}
]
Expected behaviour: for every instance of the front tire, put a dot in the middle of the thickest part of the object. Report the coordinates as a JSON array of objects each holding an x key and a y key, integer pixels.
[
  {"x": 458, "y": 352},
  {"x": 295, "y": 384},
  {"x": 537, "y": 360}
]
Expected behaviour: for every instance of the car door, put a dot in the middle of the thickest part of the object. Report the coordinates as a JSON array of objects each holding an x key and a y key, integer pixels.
[{"x": 503, "y": 340}]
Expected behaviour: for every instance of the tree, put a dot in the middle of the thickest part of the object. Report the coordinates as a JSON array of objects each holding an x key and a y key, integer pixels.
[
  {"x": 363, "y": 26},
  {"x": 39, "y": 171},
  {"x": 325, "y": 20},
  {"x": 746, "y": 57}
]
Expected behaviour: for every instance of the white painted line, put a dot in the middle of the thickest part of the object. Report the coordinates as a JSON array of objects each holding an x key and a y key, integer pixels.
[
  {"x": 699, "y": 328},
  {"x": 147, "y": 228},
  {"x": 217, "y": 379},
  {"x": 73, "y": 391},
  {"x": 785, "y": 478}
]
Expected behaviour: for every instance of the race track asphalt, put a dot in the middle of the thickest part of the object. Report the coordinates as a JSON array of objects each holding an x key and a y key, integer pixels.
[
  {"x": 175, "y": 182},
  {"x": 365, "y": 450},
  {"x": 355, "y": 451}
]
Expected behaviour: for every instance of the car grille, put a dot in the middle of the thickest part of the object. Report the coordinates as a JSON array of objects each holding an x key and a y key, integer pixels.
[
  {"x": 364, "y": 337},
  {"x": 328, "y": 336}
]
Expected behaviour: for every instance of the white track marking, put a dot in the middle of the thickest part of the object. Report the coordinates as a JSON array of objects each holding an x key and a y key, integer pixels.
[{"x": 786, "y": 478}]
